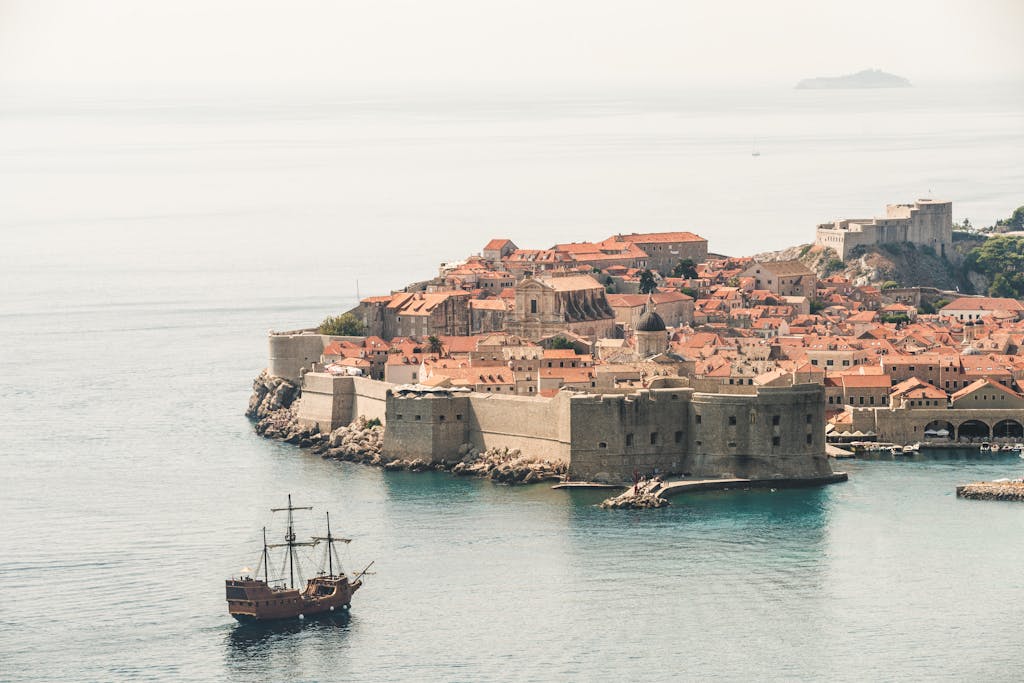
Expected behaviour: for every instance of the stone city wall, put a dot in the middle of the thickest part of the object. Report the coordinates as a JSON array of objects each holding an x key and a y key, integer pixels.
[
  {"x": 615, "y": 436},
  {"x": 906, "y": 425},
  {"x": 329, "y": 401},
  {"x": 538, "y": 427},
  {"x": 777, "y": 433}
]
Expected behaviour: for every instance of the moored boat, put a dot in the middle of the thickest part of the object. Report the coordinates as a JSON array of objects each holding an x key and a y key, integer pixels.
[{"x": 254, "y": 599}]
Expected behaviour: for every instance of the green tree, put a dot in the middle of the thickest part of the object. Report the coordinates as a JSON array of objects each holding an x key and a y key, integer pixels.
[
  {"x": 647, "y": 282},
  {"x": 890, "y": 284},
  {"x": 1014, "y": 222},
  {"x": 816, "y": 306},
  {"x": 1000, "y": 258},
  {"x": 345, "y": 325},
  {"x": 690, "y": 292},
  {"x": 561, "y": 343},
  {"x": 434, "y": 345},
  {"x": 686, "y": 268}
]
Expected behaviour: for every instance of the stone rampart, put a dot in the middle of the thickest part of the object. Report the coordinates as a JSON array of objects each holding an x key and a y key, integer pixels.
[
  {"x": 330, "y": 401},
  {"x": 776, "y": 433},
  {"x": 425, "y": 427},
  {"x": 538, "y": 427},
  {"x": 290, "y": 354},
  {"x": 615, "y": 436}
]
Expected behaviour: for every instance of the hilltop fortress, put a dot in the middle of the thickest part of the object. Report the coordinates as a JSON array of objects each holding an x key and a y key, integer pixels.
[{"x": 926, "y": 222}]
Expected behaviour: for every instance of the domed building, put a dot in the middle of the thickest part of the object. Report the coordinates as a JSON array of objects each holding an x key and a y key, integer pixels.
[{"x": 651, "y": 333}]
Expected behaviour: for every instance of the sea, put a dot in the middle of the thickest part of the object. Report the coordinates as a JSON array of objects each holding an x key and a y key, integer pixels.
[{"x": 150, "y": 239}]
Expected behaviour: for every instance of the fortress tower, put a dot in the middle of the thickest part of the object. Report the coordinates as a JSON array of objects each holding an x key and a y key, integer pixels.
[{"x": 926, "y": 222}]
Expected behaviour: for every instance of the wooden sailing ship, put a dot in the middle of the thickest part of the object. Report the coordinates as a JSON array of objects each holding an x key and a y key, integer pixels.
[{"x": 254, "y": 599}]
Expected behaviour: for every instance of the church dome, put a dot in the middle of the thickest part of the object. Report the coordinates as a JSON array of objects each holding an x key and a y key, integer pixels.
[{"x": 650, "y": 322}]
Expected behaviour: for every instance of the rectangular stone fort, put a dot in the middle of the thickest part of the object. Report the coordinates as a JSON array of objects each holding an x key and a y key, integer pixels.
[
  {"x": 775, "y": 433},
  {"x": 926, "y": 222}
]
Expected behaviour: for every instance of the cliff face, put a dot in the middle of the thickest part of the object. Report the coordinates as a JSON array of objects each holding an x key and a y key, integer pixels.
[{"x": 903, "y": 263}]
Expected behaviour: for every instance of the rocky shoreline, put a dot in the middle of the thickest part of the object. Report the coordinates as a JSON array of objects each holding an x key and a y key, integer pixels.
[
  {"x": 992, "y": 490},
  {"x": 273, "y": 406}
]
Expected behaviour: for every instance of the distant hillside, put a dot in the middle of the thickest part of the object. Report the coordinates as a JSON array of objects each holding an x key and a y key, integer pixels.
[
  {"x": 904, "y": 263},
  {"x": 869, "y": 78}
]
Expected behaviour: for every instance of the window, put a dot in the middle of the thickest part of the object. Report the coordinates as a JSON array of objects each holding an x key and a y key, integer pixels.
[
  {"x": 398, "y": 417},
  {"x": 417, "y": 417},
  {"x": 629, "y": 439},
  {"x": 440, "y": 418},
  {"x": 459, "y": 416},
  {"x": 654, "y": 438},
  {"x": 732, "y": 419},
  {"x": 533, "y": 306},
  {"x": 698, "y": 419},
  {"x": 775, "y": 420},
  {"x": 808, "y": 418},
  {"x": 775, "y": 441},
  {"x": 602, "y": 444},
  {"x": 679, "y": 437},
  {"x": 732, "y": 444},
  {"x": 810, "y": 438}
]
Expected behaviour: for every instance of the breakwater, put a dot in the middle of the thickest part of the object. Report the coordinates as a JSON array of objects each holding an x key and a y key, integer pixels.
[{"x": 992, "y": 490}]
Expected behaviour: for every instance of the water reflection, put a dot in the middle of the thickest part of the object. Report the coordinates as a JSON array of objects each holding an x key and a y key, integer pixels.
[{"x": 254, "y": 639}]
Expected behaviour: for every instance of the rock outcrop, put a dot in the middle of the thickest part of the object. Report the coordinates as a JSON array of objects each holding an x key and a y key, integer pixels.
[
  {"x": 641, "y": 496},
  {"x": 269, "y": 395}
]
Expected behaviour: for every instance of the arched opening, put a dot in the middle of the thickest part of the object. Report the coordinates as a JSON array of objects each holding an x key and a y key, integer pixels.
[
  {"x": 939, "y": 430},
  {"x": 1008, "y": 429},
  {"x": 972, "y": 430}
]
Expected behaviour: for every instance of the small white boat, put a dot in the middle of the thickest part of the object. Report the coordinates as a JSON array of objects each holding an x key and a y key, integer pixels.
[
  {"x": 914, "y": 448},
  {"x": 986, "y": 446},
  {"x": 896, "y": 450},
  {"x": 1019, "y": 447}
]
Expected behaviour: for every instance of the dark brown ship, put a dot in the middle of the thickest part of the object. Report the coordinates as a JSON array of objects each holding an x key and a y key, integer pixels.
[{"x": 254, "y": 599}]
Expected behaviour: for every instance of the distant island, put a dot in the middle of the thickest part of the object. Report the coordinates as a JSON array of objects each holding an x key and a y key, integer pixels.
[{"x": 869, "y": 78}]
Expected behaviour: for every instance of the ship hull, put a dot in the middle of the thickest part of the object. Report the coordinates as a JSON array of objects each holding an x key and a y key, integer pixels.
[{"x": 251, "y": 600}]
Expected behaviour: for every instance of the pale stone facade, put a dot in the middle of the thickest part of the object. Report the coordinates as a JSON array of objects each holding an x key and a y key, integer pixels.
[
  {"x": 926, "y": 222},
  {"x": 575, "y": 303}
]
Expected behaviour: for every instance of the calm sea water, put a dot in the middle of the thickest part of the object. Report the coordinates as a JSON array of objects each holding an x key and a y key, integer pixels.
[{"x": 147, "y": 245}]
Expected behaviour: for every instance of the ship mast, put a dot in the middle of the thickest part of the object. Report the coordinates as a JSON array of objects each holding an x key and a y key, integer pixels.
[
  {"x": 289, "y": 539},
  {"x": 331, "y": 540},
  {"x": 266, "y": 559}
]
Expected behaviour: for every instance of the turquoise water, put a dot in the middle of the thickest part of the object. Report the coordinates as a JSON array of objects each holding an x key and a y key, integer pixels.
[{"x": 132, "y": 485}]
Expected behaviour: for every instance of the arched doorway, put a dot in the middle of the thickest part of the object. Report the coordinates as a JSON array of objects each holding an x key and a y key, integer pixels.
[
  {"x": 1008, "y": 429},
  {"x": 939, "y": 430},
  {"x": 973, "y": 430}
]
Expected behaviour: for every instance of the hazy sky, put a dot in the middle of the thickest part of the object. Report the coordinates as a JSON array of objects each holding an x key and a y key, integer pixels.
[{"x": 512, "y": 42}]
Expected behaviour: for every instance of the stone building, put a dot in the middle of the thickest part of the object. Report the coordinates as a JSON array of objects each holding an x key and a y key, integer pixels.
[
  {"x": 783, "y": 278},
  {"x": 417, "y": 314},
  {"x": 666, "y": 249},
  {"x": 574, "y": 303},
  {"x": 675, "y": 308},
  {"x": 926, "y": 222}
]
